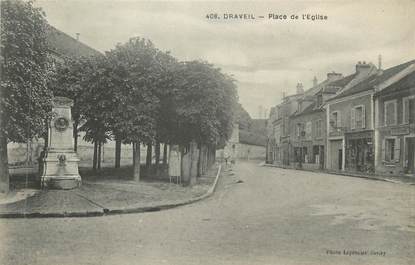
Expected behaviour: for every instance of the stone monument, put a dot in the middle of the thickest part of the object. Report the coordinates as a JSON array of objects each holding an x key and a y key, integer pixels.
[{"x": 60, "y": 164}]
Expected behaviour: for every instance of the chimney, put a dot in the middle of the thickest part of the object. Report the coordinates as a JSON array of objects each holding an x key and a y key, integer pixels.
[
  {"x": 283, "y": 95},
  {"x": 300, "y": 89},
  {"x": 315, "y": 81},
  {"x": 77, "y": 36},
  {"x": 362, "y": 67},
  {"x": 334, "y": 76}
]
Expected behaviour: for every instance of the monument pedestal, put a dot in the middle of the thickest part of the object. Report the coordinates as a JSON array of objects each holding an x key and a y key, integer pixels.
[{"x": 60, "y": 168}]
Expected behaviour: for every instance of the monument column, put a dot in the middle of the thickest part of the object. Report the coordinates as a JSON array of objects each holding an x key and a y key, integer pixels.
[{"x": 60, "y": 169}]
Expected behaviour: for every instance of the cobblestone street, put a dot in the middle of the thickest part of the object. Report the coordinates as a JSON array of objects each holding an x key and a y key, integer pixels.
[{"x": 258, "y": 215}]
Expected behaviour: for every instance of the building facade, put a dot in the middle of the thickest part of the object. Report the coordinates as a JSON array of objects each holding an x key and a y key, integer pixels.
[
  {"x": 352, "y": 144},
  {"x": 308, "y": 132},
  {"x": 363, "y": 123},
  {"x": 395, "y": 125}
]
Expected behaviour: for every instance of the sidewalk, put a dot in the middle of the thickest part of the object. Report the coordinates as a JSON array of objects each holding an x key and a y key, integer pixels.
[
  {"x": 393, "y": 179},
  {"x": 108, "y": 196}
]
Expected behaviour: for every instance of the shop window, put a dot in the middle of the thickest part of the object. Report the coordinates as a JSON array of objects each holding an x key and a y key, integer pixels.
[
  {"x": 409, "y": 110},
  {"x": 305, "y": 155},
  {"x": 316, "y": 154},
  {"x": 390, "y": 112}
]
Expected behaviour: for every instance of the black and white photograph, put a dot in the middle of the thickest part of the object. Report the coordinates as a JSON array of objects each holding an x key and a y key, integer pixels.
[{"x": 207, "y": 132}]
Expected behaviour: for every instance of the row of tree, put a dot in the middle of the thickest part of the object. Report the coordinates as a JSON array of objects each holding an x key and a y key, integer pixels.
[{"x": 134, "y": 93}]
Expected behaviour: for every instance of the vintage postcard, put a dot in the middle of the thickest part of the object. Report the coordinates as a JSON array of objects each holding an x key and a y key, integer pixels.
[{"x": 207, "y": 132}]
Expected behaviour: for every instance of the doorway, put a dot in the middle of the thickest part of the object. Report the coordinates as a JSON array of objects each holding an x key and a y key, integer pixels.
[
  {"x": 336, "y": 155},
  {"x": 410, "y": 155},
  {"x": 340, "y": 159}
]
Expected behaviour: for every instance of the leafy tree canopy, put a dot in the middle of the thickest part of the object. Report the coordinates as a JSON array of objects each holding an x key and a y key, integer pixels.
[{"x": 26, "y": 99}]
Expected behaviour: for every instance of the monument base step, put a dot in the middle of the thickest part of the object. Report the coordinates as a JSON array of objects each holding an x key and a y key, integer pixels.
[{"x": 62, "y": 183}]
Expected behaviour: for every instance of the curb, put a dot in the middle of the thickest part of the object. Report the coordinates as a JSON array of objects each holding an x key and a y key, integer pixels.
[
  {"x": 347, "y": 175},
  {"x": 106, "y": 211},
  {"x": 171, "y": 205}
]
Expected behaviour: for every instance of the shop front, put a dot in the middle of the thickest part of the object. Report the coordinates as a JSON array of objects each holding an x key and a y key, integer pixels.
[
  {"x": 410, "y": 155},
  {"x": 360, "y": 152},
  {"x": 396, "y": 155}
]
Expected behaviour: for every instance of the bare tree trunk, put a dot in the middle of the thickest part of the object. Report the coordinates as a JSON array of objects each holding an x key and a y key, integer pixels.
[
  {"x": 184, "y": 170},
  {"x": 94, "y": 160},
  {"x": 205, "y": 158},
  {"x": 133, "y": 155},
  {"x": 164, "y": 153},
  {"x": 99, "y": 154},
  {"x": 4, "y": 160},
  {"x": 136, "y": 162},
  {"x": 4, "y": 167},
  {"x": 117, "y": 153},
  {"x": 193, "y": 162},
  {"x": 199, "y": 160},
  {"x": 149, "y": 158},
  {"x": 157, "y": 151},
  {"x": 213, "y": 155},
  {"x": 210, "y": 159},
  {"x": 75, "y": 136}
]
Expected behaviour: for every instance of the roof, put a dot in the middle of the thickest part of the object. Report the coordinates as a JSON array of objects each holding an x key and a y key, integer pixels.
[
  {"x": 309, "y": 108},
  {"x": 64, "y": 45},
  {"x": 370, "y": 82},
  {"x": 312, "y": 108},
  {"x": 405, "y": 83},
  {"x": 334, "y": 86},
  {"x": 316, "y": 89},
  {"x": 310, "y": 94}
]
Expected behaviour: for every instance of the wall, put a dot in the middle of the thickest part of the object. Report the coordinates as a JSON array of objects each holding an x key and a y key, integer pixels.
[
  {"x": 247, "y": 151},
  {"x": 17, "y": 155},
  {"x": 311, "y": 138},
  {"x": 345, "y": 106},
  {"x": 242, "y": 151},
  {"x": 400, "y": 132}
]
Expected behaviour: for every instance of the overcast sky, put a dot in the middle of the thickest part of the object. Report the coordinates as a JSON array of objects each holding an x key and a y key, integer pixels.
[{"x": 265, "y": 56}]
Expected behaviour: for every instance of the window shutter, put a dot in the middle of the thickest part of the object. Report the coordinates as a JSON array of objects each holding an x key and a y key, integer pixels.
[
  {"x": 339, "y": 120},
  {"x": 383, "y": 149},
  {"x": 364, "y": 117},
  {"x": 352, "y": 118},
  {"x": 397, "y": 149},
  {"x": 405, "y": 111},
  {"x": 308, "y": 129}
]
